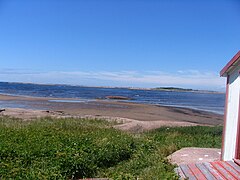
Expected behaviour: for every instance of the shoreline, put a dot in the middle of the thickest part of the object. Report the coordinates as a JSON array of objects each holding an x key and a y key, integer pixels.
[
  {"x": 134, "y": 116},
  {"x": 81, "y": 100}
]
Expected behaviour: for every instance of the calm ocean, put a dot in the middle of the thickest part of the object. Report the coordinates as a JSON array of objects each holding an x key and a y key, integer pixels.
[{"x": 199, "y": 101}]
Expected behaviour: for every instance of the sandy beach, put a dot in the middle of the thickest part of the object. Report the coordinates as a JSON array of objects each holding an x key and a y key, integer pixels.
[{"x": 132, "y": 116}]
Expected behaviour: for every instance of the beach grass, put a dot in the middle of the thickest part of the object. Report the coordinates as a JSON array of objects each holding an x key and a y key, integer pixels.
[{"x": 80, "y": 148}]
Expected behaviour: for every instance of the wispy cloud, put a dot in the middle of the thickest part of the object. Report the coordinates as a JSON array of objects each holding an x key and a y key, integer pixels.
[{"x": 182, "y": 78}]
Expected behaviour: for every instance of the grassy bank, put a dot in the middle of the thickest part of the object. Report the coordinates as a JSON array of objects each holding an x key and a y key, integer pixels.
[{"x": 77, "y": 148}]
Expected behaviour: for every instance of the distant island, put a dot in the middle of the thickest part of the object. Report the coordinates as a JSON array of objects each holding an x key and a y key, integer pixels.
[
  {"x": 176, "y": 89},
  {"x": 173, "y": 89}
]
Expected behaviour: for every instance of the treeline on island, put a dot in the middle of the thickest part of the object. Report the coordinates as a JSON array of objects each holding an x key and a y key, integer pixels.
[{"x": 176, "y": 89}]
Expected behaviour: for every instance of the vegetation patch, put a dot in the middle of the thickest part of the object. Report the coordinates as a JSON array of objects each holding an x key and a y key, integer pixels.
[{"x": 78, "y": 148}]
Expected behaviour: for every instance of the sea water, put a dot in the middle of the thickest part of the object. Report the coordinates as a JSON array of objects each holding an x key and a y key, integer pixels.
[{"x": 212, "y": 102}]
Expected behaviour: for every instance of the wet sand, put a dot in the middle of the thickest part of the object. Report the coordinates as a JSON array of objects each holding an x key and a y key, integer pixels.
[{"x": 144, "y": 116}]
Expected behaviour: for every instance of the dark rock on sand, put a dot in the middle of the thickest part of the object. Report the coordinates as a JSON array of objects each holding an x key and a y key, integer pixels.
[{"x": 118, "y": 97}]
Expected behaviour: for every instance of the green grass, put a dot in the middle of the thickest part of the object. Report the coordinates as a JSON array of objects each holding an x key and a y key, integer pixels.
[{"x": 78, "y": 148}]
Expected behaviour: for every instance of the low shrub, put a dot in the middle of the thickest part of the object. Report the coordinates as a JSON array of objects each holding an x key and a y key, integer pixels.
[
  {"x": 78, "y": 148},
  {"x": 60, "y": 148}
]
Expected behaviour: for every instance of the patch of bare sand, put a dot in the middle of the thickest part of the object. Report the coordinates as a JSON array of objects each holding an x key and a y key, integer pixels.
[
  {"x": 140, "y": 126},
  {"x": 29, "y": 114},
  {"x": 132, "y": 125},
  {"x": 125, "y": 124}
]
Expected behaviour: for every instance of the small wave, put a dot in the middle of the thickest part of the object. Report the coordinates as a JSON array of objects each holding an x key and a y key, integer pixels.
[{"x": 68, "y": 101}]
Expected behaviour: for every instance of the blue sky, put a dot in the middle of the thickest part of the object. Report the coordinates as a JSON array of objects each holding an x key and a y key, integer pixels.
[{"x": 139, "y": 43}]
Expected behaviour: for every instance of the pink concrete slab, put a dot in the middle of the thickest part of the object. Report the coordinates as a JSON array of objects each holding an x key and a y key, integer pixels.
[{"x": 195, "y": 155}]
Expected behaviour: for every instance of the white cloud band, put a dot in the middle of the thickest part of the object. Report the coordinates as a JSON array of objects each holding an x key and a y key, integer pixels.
[{"x": 188, "y": 79}]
